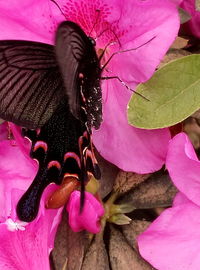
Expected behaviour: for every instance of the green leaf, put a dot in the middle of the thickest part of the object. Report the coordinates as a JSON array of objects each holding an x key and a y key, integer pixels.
[
  {"x": 173, "y": 93},
  {"x": 119, "y": 219}
]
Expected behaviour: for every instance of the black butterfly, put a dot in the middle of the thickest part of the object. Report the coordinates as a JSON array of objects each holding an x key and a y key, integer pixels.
[{"x": 54, "y": 93}]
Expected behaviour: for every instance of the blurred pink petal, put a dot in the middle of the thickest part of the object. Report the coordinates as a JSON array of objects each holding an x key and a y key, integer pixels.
[
  {"x": 193, "y": 25},
  {"x": 89, "y": 218},
  {"x": 184, "y": 167},
  {"x": 172, "y": 241},
  {"x": 25, "y": 246},
  {"x": 129, "y": 25}
]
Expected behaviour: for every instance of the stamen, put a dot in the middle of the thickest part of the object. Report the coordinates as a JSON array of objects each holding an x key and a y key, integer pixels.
[{"x": 15, "y": 225}]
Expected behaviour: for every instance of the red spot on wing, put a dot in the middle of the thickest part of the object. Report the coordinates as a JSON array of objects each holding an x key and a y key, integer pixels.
[
  {"x": 40, "y": 144},
  {"x": 74, "y": 156},
  {"x": 54, "y": 163}
]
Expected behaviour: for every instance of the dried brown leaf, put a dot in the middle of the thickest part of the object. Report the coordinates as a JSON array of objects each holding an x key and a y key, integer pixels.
[
  {"x": 156, "y": 191},
  {"x": 69, "y": 246},
  {"x": 196, "y": 115},
  {"x": 125, "y": 181},
  {"x": 96, "y": 256},
  {"x": 59, "y": 253},
  {"x": 77, "y": 244},
  {"x": 108, "y": 175},
  {"x": 179, "y": 43},
  {"x": 132, "y": 230},
  {"x": 122, "y": 256},
  {"x": 192, "y": 128},
  {"x": 172, "y": 55}
]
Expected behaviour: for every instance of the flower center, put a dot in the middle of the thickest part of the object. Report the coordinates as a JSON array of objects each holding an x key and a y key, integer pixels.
[{"x": 93, "y": 17}]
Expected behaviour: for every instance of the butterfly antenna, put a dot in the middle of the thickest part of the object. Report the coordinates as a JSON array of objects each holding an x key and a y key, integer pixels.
[
  {"x": 95, "y": 23},
  {"x": 123, "y": 51},
  {"x": 124, "y": 84},
  {"x": 59, "y": 8}
]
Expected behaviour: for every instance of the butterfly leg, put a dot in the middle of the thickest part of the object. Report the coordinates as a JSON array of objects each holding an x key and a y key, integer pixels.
[
  {"x": 122, "y": 82},
  {"x": 123, "y": 51}
]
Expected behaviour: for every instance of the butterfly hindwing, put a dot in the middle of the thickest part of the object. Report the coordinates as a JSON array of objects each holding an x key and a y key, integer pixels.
[
  {"x": 31, "y": 85},
  {"x": 62, "y": 146},
  {"x": 57, "y": 137}
]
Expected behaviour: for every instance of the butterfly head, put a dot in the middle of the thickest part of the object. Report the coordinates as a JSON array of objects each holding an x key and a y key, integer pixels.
[{"x": 92, "y": 40}]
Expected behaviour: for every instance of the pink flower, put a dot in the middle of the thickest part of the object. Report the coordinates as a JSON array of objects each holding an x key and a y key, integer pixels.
[
  {"x": 172, "y": 241},
  {"x": 119, "y": 25},
  {"x": 193, "y": 25},
  {"x": 89, "y": 218},
  {"x": 23, "y": 245}
]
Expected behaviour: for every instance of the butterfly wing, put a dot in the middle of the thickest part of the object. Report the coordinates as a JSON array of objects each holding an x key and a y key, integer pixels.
[
  {"x": 31, "y": 85},
  {"x": 35, "y": 92},
  {"x": 62, "y": 147},
  {"x": 79, "y": 66},
  {"x": 70, "y": 49}
]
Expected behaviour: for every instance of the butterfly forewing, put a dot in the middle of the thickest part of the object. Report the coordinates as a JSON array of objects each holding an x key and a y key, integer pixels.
[{"x": 31, "y": 85}]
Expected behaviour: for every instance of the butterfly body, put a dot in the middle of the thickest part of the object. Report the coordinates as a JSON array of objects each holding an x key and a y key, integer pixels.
[{"x": 54, "y": 91}]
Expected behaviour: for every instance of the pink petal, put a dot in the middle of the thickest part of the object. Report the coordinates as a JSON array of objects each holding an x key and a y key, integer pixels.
[
  {"x": 16, "y": 172},
  {"x": 29, "y": 20},
  {"x": 172, "y": 241},
  {"x": 184, "y": 167},
  {"x": 161, "y": 23},
  {"x": 30, "y": 248},
  {"x": 89, "y": 218},
  {"x": 23, "y": 143},
  {"x": 129, "y": 148},
  {"x": 24, "y": 246}
]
